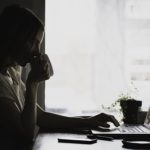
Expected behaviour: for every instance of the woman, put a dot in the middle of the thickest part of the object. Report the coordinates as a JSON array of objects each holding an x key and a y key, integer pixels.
[{"x": 21, "y": 34}]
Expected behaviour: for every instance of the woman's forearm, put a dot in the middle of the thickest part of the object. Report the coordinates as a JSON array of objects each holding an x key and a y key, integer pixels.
[
  {"x": 55, "y": 121},
  {"x": 29, "y": 114}
]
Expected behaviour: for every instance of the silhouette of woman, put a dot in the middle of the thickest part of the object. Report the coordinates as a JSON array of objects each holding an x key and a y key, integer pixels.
[{"x": 21, "y": 34}]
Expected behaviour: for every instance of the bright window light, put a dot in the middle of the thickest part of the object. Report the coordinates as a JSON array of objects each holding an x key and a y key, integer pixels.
[{"x": 97, "y": 52}]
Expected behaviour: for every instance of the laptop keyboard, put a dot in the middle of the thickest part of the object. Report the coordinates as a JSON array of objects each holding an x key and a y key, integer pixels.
[{"x": 131, "y": 129}]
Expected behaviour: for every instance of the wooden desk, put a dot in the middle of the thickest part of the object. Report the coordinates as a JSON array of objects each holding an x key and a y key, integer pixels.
[{"x": 47, "y": 141}]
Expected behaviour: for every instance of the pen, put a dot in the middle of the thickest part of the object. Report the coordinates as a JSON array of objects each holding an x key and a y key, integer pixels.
[{"x": 100, "y": 137}]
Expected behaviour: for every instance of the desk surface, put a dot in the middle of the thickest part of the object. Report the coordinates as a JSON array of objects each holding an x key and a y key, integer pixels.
[{"x": 47, "y": 141}]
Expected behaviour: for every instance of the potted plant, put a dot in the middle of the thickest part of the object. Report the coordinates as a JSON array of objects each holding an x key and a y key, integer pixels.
[{"x": 129, "y": 108}]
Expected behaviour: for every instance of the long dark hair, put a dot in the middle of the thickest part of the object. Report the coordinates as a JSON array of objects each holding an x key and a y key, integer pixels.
[{"x": 17, "y": 25}]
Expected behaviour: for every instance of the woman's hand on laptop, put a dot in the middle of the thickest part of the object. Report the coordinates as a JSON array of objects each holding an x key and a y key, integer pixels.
[{"x": 102, "y": 120}]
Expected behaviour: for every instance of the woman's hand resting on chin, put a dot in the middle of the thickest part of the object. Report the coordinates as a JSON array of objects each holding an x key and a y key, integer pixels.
[{"x": 41, "y": 68}]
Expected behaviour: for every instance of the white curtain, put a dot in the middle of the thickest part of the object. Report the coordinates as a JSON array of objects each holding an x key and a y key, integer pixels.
[
  {"x": 86, "y": 45},
  {"x": 110, "y": 79}
]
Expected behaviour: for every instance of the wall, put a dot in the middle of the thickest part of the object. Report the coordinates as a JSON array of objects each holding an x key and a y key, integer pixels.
[{"x": 26, "y": 3}]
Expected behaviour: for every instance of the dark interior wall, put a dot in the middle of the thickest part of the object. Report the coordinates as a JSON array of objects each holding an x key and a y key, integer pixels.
[
  {"x": 38, "y": 6},
  {"x": 26, "y": 3}
]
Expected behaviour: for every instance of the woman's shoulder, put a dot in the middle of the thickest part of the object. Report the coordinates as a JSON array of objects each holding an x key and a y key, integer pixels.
[
  {"x": 15, "y": 72},
  {"x": 7, "y": 86},
  {"x": 11, "y": 72},
  {"x": 8, "y": 103}
]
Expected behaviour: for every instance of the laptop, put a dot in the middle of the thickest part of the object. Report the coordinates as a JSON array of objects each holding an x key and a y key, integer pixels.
[{"x": 127, "y": 131}]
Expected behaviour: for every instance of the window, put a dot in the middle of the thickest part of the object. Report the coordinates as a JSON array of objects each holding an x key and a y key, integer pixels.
[
  {"x": 98, "y": 49},
  {"x": 137, "y": 36}
]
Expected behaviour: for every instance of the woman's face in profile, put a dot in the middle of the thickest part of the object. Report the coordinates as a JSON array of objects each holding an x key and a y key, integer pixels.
[{"x": 31, "y": 49}]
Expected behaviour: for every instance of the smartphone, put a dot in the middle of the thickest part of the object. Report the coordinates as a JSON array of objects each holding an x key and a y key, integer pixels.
[{"x": 77, "y": 140}]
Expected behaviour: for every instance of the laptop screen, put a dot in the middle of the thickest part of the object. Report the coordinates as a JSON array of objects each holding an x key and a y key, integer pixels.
[{"x": 147, "y": 119}]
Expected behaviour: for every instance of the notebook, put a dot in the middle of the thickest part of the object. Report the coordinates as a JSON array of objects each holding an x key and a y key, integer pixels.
[{"x": 128, "y": 131}]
